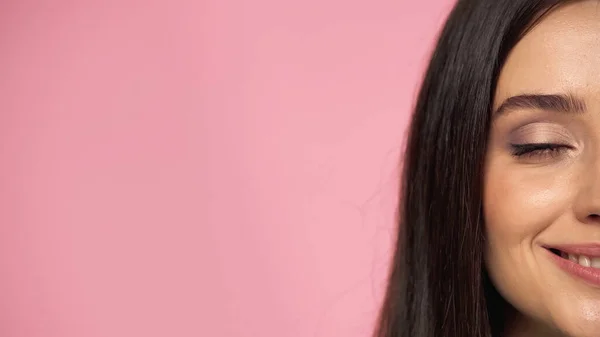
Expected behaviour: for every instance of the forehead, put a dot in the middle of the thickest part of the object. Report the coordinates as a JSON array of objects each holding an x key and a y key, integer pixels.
[{"x": 560, "y": 54}]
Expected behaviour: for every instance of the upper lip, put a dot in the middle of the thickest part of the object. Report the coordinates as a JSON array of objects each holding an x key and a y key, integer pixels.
[{"x": 588, "y": 249}]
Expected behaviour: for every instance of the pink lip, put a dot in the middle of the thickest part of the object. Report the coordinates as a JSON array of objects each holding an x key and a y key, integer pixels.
[
  {"x": 588, "y": 274},
  {"x": 589, "y": 250}
]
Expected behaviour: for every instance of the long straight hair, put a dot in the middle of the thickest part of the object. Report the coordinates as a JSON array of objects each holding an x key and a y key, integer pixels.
[{"x": 438, "y": 286}]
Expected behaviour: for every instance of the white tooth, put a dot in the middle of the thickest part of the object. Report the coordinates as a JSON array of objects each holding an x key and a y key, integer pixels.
[
  {"x": 584, "y": 261},
  {"x": 573, "y": 258},
  {"x": 596, "y": 262}
]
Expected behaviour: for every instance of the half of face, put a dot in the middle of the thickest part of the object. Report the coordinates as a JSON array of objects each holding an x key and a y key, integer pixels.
[{"x": 542, "y": 176}]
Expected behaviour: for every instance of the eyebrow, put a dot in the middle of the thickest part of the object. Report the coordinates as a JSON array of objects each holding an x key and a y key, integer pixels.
[{"x": 555, "y": 102}]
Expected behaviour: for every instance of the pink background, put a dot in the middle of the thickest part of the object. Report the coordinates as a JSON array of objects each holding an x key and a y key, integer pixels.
[{"x": 202, "y": 168}]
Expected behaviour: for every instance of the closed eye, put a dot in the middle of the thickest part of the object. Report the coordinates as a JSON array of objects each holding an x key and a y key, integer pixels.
[{"x": 538, "y": 149}]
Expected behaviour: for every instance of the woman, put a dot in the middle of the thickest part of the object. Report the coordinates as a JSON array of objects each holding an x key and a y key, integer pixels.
[{"x": 500, "y": 211}]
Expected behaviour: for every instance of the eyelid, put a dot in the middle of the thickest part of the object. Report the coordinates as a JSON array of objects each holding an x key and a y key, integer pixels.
[{"x": 541, "y": 133}]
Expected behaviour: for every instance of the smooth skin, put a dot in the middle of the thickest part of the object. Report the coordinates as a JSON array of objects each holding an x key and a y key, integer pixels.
[{"x": 548, "y": 196}]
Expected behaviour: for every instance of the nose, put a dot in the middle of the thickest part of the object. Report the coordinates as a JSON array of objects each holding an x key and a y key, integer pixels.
[{"x": 587, "y": 203}]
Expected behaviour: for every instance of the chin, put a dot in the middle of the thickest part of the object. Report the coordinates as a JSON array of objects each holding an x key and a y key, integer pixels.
[{"x": 582, "y": 320}]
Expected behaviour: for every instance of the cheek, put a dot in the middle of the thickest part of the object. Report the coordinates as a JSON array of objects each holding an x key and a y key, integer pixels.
[
  {"x": 518, "y": 207},
  {"x": 520, "y": 203}
]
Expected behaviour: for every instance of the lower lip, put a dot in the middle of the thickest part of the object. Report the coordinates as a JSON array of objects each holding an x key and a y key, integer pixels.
[{"x": 588, "y": 274}]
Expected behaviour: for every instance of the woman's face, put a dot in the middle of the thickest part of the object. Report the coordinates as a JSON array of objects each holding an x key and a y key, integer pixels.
[{"x": 542, "y": 176}]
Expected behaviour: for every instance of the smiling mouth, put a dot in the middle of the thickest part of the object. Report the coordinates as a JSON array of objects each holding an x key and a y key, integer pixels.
[{"x": 582, "y": 260}]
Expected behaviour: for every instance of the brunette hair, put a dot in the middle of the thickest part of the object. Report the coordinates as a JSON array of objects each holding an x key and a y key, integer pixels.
[{"x": 438, "y": 286}]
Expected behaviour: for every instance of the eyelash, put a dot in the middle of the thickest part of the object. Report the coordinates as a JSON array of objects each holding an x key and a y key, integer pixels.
[{"x": 538, "y": 149}]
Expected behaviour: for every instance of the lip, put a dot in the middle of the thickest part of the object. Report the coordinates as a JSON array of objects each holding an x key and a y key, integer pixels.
[
  {"x": 589, "y": 250},
  {"x": 589, "y": 275}
]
